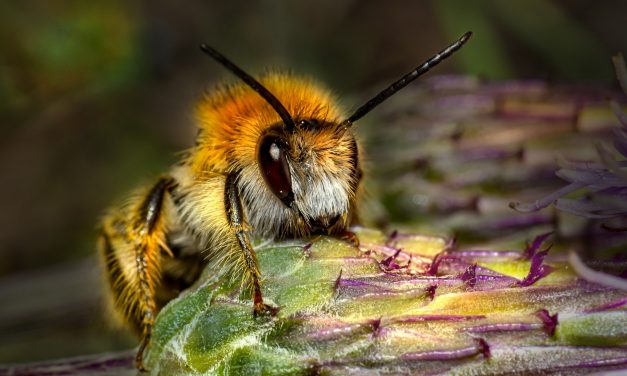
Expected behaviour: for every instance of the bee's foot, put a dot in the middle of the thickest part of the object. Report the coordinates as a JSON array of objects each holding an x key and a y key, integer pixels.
[
  {"x": 262, "y": 309},
  {"x": 350, "y": 237},
  {"x": 139, "y": 358},
  {"x": 139, "y": 362}
]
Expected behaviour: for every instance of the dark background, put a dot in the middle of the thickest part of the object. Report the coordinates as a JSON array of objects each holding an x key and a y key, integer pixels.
[{"x": 95, "y": 98}]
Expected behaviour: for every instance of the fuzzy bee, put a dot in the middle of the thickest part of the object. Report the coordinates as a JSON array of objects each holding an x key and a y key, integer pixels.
[{"x": 274, "y": 158}]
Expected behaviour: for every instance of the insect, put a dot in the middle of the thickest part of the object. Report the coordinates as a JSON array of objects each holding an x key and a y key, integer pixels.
[{"x": 274, "y": 158}]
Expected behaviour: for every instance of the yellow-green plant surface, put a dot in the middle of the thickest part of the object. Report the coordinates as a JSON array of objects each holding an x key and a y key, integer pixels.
[{"x": 395, "y": 305}]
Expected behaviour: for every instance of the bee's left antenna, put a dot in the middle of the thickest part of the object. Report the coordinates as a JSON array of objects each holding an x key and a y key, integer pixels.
[
  {"x": 406, "y": 79},
  {"x": 254, "y": 84}
]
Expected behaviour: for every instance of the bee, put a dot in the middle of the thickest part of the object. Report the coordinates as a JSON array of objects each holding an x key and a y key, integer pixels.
[{"x": 274, "y": 158}]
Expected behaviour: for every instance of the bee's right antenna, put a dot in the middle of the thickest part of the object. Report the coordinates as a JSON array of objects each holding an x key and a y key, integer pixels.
[
  {"x": 254, "y": 84},
  {"x": 406, "y": 79}
]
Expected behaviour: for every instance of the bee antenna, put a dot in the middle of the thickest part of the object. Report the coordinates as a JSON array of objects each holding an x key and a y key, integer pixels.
[
  {"x": 254, "y": 84},
  {"x": 406, "y": 79}
]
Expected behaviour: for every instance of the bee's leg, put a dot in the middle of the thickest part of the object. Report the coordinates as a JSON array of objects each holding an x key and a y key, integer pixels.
[
  {"x": 137, "y": 236},
  {"x": 350, "y": 237},
  {"x": 235, "y": 217}
]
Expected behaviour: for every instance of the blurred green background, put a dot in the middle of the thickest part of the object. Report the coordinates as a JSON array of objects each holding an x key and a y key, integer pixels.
[{"x": 95, "y": 98}]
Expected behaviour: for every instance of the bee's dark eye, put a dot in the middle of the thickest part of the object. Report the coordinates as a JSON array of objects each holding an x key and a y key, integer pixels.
[
  {"x": 309, "y": 124},
  {"x": 275, "y": 169}
]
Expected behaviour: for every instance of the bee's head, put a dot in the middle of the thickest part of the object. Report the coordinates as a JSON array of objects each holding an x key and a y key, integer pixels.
[
  {"x": 313, "y": 170},
  {"x": 307, "y": 165}
]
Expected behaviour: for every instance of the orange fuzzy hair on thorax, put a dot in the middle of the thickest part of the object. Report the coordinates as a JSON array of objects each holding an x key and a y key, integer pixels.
[{"x": 233, "y": 117}]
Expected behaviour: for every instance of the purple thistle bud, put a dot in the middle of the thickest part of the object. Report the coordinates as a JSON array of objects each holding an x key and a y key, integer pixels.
[
  {"x": 532, "y": 248},
  {"x": 483, "y": 347},
  {"x": 549, "y": 321},
  {"x": 435, "y": 264},
  {"x": 338, "y": 281},
  {"x": 470, "y": 276},
  {"x": 390, "y": 262},
  {"x": 393, "y": 235},
  {"x": 538, "y": 270},
  {"x": 605, "y": 181},
  {"x": 430, "y": 291}
]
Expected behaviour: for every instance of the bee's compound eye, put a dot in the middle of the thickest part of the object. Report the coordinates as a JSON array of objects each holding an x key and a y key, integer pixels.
[
  {"x": 274, "y": 168},
  {"x": 309, "y": 124}
]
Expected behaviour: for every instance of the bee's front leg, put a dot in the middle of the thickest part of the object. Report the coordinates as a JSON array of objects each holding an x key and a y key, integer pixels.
[{"x": 235, "y": 218}]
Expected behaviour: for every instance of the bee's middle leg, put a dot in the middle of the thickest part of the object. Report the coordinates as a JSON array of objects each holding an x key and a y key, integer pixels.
[{"x": 137, "y": 235}]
